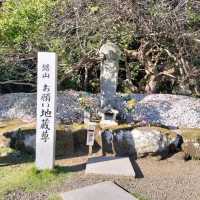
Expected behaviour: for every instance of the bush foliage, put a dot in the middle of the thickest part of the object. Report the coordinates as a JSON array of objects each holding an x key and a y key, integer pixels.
[{"x": 22, "y": 21}]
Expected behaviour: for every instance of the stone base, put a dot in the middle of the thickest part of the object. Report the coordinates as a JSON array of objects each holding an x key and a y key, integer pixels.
[
  {"x": 109, "y": 123},
  {"x": 110, "y": 166},
  {"x": 102, "y": 191}
]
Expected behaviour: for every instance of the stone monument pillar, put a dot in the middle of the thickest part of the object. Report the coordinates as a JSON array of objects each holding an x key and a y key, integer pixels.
[
  {"x": 110, "y": 55},
  {"x": 46, "y": 110}
]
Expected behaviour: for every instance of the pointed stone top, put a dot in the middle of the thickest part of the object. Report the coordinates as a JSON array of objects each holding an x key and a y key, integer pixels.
[{"x": 110, "y": 51}]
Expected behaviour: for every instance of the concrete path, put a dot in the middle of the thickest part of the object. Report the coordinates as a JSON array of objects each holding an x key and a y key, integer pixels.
[
  {"x": 110, "y": 166},
  {"x": 101, "y": 191}
]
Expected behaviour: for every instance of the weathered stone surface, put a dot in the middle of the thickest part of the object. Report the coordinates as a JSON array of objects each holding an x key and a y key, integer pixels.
[
  {"x": 26, "y": 141},
  {"x": 110, "y": 166},
  {"x": 101, "y": 191},
  {"x": 29, "y": 143},
  {"x": 64, "y": 144},
  {"x": 138, "y": 142},
  {"x": 108, "y": 117},
  {"x": 107, "y": 142},
  {"x": 147, "y": 140},
  {"x": 86, "y": 117},
  {"x": 121, "y": 143},
  {"x": 124, "y": 144},
  {"x": 110, "y": 55}
]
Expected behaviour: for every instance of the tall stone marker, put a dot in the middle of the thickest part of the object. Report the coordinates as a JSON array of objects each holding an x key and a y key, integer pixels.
[
  {"x": 110, "y": 55},
  {"x": 46, "y": 110}
]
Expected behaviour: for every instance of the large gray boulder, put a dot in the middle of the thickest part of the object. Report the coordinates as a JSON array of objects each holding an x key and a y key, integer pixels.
[
  {"x": 140, "y": 141},
  {"x": 148, "y": 140}
]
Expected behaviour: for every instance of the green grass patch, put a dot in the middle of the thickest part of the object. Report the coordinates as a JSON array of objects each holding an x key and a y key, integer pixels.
[
  {"x": 190, "y": 133},
  {"x": 54, "y": 197},
  {"x": 139, "y": 196},
  {"x": 29, "y": 179}
]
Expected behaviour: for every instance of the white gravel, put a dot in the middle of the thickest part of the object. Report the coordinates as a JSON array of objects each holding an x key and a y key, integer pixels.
[{"x": 169, "y": 110}]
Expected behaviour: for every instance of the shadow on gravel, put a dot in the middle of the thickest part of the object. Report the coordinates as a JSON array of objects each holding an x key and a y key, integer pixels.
[
  {"x": 174, "y": 147},
  {"x": 152, "y": 110},
  {"x": 66, "y": 169},
  {"x": 76, "y": 168},
  {"x": 133, "y": 157},
  {"x": 14, "y": 159},
  {"x": 136, "y": 167}
]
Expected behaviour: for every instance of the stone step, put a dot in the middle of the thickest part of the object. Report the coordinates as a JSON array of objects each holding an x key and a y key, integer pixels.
[
  {"x": 101, "y": 191},
  {"x": 118, "y": 166}
]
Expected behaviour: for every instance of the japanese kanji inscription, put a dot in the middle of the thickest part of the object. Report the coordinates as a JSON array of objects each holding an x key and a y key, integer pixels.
[{"x": 46, "y": 110}]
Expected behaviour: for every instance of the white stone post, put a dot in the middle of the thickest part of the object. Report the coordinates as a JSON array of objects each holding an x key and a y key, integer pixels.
[{"x": 46, "y": 110}]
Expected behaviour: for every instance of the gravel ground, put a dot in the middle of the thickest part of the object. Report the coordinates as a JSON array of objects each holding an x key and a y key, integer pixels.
[
  {"x": 169, "y": 110},
  {"x": 171, "y": 179}
]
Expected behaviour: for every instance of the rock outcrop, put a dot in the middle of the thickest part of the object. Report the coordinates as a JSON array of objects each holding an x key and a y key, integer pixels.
[{"x": 140, "y": 142}]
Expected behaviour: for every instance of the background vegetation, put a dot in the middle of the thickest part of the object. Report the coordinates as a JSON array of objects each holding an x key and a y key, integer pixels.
[{"x": 160, "y": 41}]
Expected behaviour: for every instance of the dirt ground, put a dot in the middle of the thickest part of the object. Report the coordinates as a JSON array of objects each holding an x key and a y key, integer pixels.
[{"x": 170, "y": 179}]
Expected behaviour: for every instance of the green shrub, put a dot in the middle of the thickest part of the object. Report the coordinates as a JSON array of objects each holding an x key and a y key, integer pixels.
[
  {"x": 21, "y": 22},
  {"x": 193, "y": 17}
]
